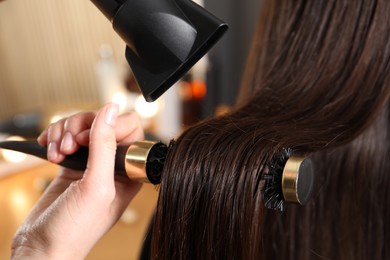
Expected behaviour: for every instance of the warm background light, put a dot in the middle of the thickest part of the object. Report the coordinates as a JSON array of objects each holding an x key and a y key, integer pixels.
[
  {"x": 120, "y": 98},
  {"x": 145, "y": 109},
  {"x": 12, "y": 156}
]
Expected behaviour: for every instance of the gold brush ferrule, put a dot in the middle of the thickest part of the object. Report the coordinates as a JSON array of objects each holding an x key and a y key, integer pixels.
[
  {"x": 136, "y": 160},
  {"x": 298, "y": 180}
]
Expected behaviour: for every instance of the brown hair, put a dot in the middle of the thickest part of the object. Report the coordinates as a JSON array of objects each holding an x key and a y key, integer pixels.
[{"x": 317, "y": 81}]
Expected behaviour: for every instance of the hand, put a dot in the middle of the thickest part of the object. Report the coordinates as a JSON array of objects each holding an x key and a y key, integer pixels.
[{"x": 77, "y": 209}]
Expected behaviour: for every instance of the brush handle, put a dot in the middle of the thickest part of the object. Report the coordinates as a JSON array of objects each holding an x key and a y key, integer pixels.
[{"x": 76, "y": 161}]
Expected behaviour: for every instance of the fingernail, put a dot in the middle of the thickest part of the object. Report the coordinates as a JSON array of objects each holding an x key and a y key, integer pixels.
[
  {"x": 52, "y": 151},
  {"x": 111, "y": 115},
  {"x": 67, "y": 141}
]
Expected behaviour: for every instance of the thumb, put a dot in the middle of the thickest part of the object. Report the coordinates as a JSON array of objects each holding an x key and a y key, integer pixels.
[{"x": 102, "y": 148}]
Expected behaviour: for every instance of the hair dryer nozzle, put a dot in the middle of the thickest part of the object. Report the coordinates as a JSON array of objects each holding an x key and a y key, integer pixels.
[{"x": 164, "y": 38}]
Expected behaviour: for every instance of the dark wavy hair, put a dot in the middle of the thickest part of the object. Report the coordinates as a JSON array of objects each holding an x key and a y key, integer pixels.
[{"x": 317, "y": 81}]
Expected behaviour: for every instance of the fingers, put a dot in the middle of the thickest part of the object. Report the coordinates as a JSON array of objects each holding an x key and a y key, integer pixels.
[
  {"x": 72, "y": 127},
  {"x": 51, "y": 138},
  {"x": 129, "y": 128},
  {"x": 60, "y": 137},
  {"x": 67, "y": 135},
  {"x": 99, "y": 178},
  {"x": 102, "y": 149}
]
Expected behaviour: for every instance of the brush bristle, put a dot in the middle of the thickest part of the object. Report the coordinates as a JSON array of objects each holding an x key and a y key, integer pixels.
[
  {"x": 272, "y": 189},
  {"x": 156, "y": 161}
]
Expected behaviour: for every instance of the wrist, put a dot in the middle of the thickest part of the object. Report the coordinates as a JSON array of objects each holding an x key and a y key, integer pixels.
[
  {"x": 35, "y": 254},
  {"x": 24, "y": 252},
  {"x": 25, "y": 247}
]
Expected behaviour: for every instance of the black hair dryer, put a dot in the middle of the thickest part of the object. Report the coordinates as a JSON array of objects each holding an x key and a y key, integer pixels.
[{"x": 164, "y": 38}]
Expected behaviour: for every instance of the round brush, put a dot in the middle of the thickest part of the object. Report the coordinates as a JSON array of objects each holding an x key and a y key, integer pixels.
[{"x": 141, "y": 161}]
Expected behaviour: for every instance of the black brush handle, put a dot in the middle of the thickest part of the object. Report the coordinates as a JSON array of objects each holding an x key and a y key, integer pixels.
[{"x": 76, "y": 161}]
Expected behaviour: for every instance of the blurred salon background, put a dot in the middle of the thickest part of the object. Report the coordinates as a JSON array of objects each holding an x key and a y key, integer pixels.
[{"x": 58, "y": 58}]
